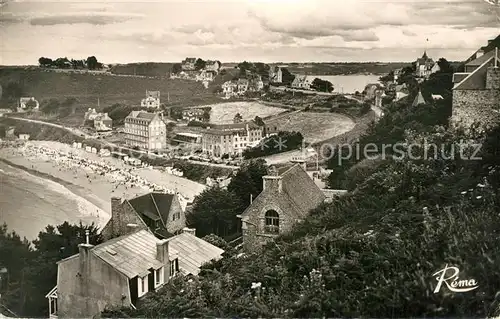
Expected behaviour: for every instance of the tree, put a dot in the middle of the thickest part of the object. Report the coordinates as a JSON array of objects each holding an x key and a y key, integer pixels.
[
  {"x": 206, "y": 114},
  {"x": 287, "y": 77},
  {"x": 321, "y": 85},
  {"x": 388, "y": 77},
  {"x": 238, "y": 118},
  {"x": 176, "y": 68},
  {"x": 259, "y": 121},
  {"x": 92, "y": 63},
  {"x": 444, "y": 66},
  {"x": 32, "y": 273},
  {"x": 248, "y": 181},
  {"x": 214, "y": 212},
  {"x": 30, "y": 105},
  {"x": 45, "y": 62},
  {"x": 199, "y": 64}
]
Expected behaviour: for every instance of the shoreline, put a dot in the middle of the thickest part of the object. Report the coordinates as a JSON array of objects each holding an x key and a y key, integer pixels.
[{"x": 75, "y": 189}]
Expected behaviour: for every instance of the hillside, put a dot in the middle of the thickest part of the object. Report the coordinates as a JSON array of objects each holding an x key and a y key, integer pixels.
[
  {"x": 88, "y": 88},
  {"x": 373, "y": 252},
  {"x": 146, "y": 69}
]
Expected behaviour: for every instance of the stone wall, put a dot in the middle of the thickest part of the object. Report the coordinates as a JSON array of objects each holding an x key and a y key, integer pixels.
[
  {"x": 175, "y": 226},
  {"x": 493, "y": 78},
  {"x": 476, "y": 105},
  {"x": 122, "y": 214},
  {"x": 253, "y": 227}
]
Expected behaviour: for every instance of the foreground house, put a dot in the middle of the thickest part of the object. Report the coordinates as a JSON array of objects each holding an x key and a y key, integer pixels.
[
  {"x": 161, "y": 213},
  {"x": 119, "y": 272},
  {"x": 476, "y": 93},
  {"x": 145, "y": 130},
  {"x": 231, "y": 139},
  {"x": 288, "y": 195}
]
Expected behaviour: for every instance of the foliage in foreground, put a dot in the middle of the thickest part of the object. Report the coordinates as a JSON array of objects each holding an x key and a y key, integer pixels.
[
  {"x": 32, "y": 268},
  {"x": 371, "y": 253}
]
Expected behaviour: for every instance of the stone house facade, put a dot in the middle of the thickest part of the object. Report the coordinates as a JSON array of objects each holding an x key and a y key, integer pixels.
[
  {"x": 476, "y": 94},
  {"x": 161, "y": 213},
  {"x": 287, "y": 197}
]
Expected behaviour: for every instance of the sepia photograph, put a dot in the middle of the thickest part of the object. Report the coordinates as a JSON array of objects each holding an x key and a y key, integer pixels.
[{"x": 250, "y": 159}]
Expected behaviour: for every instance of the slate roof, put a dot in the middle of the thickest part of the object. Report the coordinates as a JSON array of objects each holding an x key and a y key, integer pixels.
[
  {"x": 494, "y": 43},
  {"x": 155, "y": 206},
  {"x": 193, "y": 252},
  {"x": 479, "y": 61},
  {"x": 476, "y": 80},
  {"x": 298, "y": 188},
  {"x": 148, "y": 117},
  {"x": 132, "y": 255}
]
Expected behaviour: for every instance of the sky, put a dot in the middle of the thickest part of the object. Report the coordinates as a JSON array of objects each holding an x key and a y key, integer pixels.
[{"x": 125, "y": 31}]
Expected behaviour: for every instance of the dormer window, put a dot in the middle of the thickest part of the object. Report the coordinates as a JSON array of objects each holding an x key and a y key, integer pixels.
[
  {"x": 174, "y": 267},
  {"x": 142, "y": 286},
  {"x": 159, "y": 280}
]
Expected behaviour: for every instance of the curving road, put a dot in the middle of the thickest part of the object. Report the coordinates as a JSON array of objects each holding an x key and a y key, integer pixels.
[{"x": 378, "y": 111}]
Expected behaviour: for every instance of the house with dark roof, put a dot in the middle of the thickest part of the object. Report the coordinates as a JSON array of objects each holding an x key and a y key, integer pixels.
[
  {"x": 492, "y": 44},
  {"x": 161, "y": 213},
  {"x": 476, "y": 92},
  {"x": 120, "y": 271},
  {"x": 289, "y": 194}
]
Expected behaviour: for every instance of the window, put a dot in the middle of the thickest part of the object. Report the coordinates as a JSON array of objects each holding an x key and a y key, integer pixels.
[
  {"x": 174, "y": 267},
  {"x": 159, "y": 277},
  {"x": 142, "y": 285},
  {"x": 272, "y": 221},
  {"x": 53, "y": 306}
]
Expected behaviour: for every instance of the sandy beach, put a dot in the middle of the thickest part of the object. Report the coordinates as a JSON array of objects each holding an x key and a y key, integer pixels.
[{"x": 95, "y": 178}]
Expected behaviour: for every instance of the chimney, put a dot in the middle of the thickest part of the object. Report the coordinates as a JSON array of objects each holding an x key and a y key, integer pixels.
[
  {"x": 272, "y": 182},
  {"x": 132, "y": 228},
  {"x": 116, "y": 215},
  {"x": 188, "y": 230},
  {"x": 84, "y": 259},
  {"x": 162, "y": 256}
]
